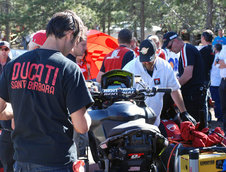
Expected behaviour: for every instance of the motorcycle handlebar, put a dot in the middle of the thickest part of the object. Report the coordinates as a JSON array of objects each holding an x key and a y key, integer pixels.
[
  {"x": 164, "y": 90},
  {"x": 132, "y": 91}
]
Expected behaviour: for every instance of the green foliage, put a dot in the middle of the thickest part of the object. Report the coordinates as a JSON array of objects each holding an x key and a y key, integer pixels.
[
  {"x": 88, "y": 16},
  {"x": 27, "y": 16}
]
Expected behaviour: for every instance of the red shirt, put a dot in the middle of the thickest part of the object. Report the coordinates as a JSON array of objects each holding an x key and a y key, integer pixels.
[
  {"x": 136, "y": 50},
  {"x": 85, "y": 69}
]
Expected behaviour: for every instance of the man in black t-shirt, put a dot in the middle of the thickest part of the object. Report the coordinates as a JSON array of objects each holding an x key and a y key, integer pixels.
[
  {"x": 190, "y": 75},
  {"x": 207, "y": 53},
  {"x": 49, "y": 99}
]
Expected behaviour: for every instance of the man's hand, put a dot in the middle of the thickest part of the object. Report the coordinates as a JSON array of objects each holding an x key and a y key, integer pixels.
[
  {"x": 222, "y": 64},
  {"x": 6, "y": 111}
]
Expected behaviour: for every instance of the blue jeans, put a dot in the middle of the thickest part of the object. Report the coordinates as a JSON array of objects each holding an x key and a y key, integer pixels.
[
  {"x": 216, "y": 97},
  {"x": 222, "y": 93},
  {"x": 31, "y": 167}
]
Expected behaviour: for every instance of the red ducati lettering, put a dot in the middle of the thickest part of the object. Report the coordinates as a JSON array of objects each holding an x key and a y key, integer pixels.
[{"x": 34, "y": 76}]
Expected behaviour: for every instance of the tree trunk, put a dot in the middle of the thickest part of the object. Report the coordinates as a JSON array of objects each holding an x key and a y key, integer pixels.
[
  {"x": 103, "y": 23},
  {"x": 133, "y": 8},
  {"x": 142, "y": 19},
  {"x": 209, "y": 16},
  {"x": 7, "y": 29},
  {"x": 103, "y": 17},
  {"x": 109, "y": 17}
]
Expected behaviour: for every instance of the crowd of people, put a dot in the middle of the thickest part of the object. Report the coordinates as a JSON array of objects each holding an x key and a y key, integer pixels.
[{"x": 44, "y": 98}]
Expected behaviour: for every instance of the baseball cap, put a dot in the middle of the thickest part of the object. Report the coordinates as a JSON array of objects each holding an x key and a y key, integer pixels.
[
  {"x": 147, "y": 50},
  {"x": 4, "y": 43},
  {"x": 167, "y": 37},
  {"x": 39, "y": 37}
]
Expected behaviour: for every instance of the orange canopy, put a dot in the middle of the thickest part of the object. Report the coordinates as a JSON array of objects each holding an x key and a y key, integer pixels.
[{"x": 98, "y": 45}]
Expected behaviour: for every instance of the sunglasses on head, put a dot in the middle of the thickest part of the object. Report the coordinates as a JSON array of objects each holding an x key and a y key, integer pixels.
[{"x": 4, "y": 49}]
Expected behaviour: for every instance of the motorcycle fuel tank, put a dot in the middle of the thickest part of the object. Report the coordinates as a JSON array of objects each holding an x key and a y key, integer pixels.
[{"x": 104, "y": 120}]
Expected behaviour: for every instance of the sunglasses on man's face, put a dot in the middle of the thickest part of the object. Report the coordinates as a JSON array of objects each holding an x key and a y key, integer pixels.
[
  {"x": 169, "y": 47},
  {"x": 4, "y": 49}
]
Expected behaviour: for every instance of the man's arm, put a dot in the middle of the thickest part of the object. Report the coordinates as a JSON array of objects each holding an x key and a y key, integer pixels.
[
  {"x": 81, "y": 120},
  {"x": 186, "y": 76},
  {"x": 222, "y": 64},
  {"x": 178, "y": 99},
  {"x": 6, "y": 112},
  {"x": 98, "y": 79},
  {"x": 130, "y": 55}
]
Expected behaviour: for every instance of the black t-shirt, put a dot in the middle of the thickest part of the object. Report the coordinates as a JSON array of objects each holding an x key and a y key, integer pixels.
[
  {"x": 44, "y": 87},
  {"x": 71, "y": 57},
  {"x": 207, "y": 54},
  {"x": 190, "y": 56}
]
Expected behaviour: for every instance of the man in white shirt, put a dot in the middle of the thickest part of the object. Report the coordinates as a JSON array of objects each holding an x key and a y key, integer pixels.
[
  {"x": 215, "y": 80},
  {"x": 156, "y": 72},
  {"x": 221, "y": 63}
]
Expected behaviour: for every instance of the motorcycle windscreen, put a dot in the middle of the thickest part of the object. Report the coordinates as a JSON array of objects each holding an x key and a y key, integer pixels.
[{"x": 117, "y": 79}]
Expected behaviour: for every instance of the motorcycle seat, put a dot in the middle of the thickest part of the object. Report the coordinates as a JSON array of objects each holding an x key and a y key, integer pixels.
[{"x": 138, "y": 124}]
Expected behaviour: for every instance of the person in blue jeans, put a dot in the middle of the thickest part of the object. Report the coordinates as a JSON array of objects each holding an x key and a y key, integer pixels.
[
  {"x": 49, "y": 100},
  {"x": 215, "y": 83}
]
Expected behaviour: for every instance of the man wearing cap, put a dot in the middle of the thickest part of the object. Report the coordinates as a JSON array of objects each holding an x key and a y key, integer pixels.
[
  {"x": 6, "y": 145},
  {"x": 191, "y": 70},
  {"x": 118, "y": 58},
  {"x": 156, "y": 72},
  {"x": 4, "y": 54},
  {"x": 37, "y": 40}
]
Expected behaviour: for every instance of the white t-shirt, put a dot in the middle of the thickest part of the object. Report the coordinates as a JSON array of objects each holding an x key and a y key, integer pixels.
[
  {"x": 163, "y": 77},
  {"x": 222, "y": 56},
  {"x": 173, "y": 59},
  {"x": 215, "y": 77}
]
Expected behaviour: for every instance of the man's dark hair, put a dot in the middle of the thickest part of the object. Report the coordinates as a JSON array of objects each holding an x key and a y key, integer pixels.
[
  {"x": 218, "y": 47},
  {"x": 208, "y": 35},
  {"x": 125, "y": 36},
  {"x": 62, "y": 22}
]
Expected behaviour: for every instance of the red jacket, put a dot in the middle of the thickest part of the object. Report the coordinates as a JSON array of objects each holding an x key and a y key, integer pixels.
[{"x": 117, "y": 58}]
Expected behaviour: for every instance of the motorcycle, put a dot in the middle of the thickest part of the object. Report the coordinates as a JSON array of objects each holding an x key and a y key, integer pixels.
[{"x": 122, "y": 136}]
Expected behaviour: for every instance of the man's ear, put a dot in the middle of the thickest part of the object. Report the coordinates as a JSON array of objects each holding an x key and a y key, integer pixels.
[{"x": 69, "y": 35}]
